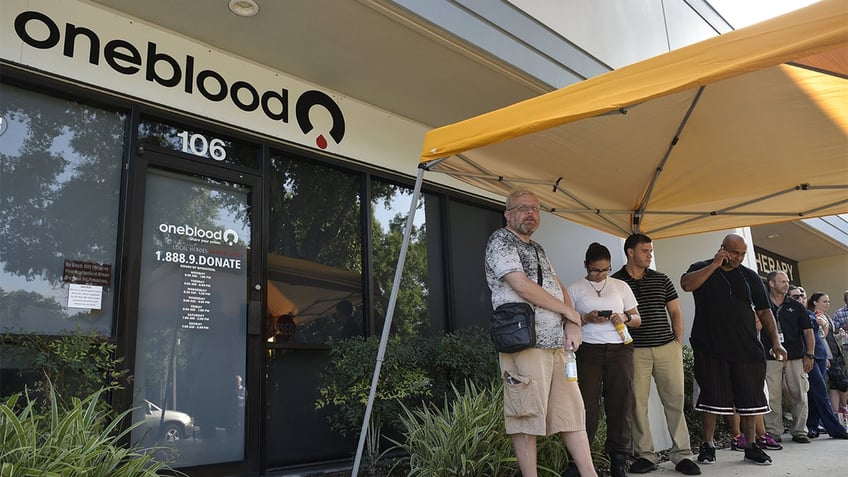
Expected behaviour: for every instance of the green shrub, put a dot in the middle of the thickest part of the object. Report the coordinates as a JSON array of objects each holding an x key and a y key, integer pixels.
[
  {"x": 415, "y": 370},
  {"x": 347, "y": 385},
  {"x": 693, "y": 417},
  {"x": 464, "y": 437},
  {"x": 73, "y": 365},
  {"x": 80, "y": 439},
  {"x": 348, "y": 377},
  {"x": 465, "y": 355}
]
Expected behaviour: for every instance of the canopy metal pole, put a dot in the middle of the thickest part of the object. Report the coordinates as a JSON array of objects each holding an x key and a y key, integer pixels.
[{"x": 390, "y": 311}]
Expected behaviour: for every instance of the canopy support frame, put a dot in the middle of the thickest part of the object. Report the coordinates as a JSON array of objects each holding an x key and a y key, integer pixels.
[
  {"x": 639, "y": 214},
  {"x": 728, "y": 210},
  {"x": 390, "y": 311}
]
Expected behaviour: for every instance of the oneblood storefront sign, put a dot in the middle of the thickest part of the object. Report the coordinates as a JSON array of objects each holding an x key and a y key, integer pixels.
[
  {"x": 72, "y": 39},
  {"x": 88, "y": 44}
]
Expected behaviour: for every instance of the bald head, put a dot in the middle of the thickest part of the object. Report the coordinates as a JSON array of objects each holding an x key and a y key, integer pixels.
[
  {"x": 736, "y": 248},
  {"x": 734, "y": 240}
]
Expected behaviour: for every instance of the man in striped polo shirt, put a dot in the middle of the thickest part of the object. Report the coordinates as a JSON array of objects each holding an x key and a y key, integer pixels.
[{"x": 659, "y": 353}]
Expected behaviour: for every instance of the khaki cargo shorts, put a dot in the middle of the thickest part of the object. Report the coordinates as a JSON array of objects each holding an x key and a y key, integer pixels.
[{"x": 538, "y": 400}]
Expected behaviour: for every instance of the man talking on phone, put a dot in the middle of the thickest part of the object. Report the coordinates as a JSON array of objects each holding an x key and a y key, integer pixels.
[{"x": 730, "y": 363}]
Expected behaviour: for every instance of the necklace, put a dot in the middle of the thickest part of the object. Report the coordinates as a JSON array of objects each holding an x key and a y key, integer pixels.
[{"x": 596, "y": 290}]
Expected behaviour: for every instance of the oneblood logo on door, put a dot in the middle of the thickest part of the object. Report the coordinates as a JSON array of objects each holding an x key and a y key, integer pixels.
[
  {"x": 228, "y": 236},
  {"x": 160, "y": 68}
]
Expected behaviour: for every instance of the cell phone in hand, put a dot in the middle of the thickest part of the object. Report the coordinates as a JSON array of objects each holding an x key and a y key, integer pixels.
[{"x": 605, "y": 313}]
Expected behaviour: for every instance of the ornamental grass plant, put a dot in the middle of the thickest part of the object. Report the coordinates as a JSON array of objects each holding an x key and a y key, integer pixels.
[
  {"x": 78, "y": 439},
  {"x": 466, "y": 437}
]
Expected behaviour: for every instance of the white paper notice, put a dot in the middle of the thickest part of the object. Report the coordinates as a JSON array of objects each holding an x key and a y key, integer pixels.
[{"x": 85, "y": 296}]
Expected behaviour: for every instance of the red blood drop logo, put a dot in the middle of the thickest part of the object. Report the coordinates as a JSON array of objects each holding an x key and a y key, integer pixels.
[{"x": 321, "y": 141}]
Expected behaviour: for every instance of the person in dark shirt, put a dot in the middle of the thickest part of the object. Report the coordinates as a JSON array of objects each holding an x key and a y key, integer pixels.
[
  {"x": 730, "y": 364},
  {"x": 796, "y": 333}
]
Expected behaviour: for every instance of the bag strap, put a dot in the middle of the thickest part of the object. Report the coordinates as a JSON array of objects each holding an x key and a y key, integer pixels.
[{"x": 538, "y": 266}]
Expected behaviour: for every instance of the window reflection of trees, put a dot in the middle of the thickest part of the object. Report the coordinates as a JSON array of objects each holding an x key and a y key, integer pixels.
[
  {"x": 60, "y": 167},
  {"x": 390, "y": 209},
  {"x": 315, "y": 243},
  {"x": 315, "y": 213},
  {"x": 315, "y": 216}
]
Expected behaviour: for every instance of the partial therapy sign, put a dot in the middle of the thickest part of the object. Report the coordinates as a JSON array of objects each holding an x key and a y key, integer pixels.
[{"x": 768, "y": 261}]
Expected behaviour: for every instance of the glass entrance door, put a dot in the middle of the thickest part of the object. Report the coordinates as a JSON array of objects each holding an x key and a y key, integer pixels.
[{"x": 191, "y": 345}]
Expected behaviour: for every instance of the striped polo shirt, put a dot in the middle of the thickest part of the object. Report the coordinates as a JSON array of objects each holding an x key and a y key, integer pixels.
[{"x": 652, "y": 292}]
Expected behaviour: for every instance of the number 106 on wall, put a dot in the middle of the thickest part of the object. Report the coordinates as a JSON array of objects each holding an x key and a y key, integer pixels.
[{"x": 199, "y": 145}]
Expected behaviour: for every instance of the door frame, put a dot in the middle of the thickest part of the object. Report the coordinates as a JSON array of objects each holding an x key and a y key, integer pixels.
[{"x": 140, "y": 162}]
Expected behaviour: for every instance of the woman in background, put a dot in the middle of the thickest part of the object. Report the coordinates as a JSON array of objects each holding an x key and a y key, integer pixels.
[{"x": 820, "y": 408}]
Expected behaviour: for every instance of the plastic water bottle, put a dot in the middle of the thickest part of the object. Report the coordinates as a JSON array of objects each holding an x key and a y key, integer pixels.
[
  {"x": 570, "y": 364},
  {"x": 624, "y": 333}
]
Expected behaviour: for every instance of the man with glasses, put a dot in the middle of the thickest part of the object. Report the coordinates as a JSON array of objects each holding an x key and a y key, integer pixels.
[
  {"x": 796, "y": 333},
  {"x": 730, "y": 363},
  {"x": 798, "y": 294},
  {"x": 538, "y": 399},
  {"x": 658, "y": 353}
]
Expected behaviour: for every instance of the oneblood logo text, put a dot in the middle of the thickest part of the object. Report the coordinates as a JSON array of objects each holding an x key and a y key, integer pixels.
[
  {"x": 228, "y": 236},
  {"x": 164, "y": 70}
]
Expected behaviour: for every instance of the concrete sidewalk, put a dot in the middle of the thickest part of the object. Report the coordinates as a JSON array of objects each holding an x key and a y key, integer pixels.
[{"x": 824, "y": 456}]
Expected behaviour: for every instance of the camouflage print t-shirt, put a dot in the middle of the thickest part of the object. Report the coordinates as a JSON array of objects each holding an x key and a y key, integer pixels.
[{"x": 507, "y": 253}]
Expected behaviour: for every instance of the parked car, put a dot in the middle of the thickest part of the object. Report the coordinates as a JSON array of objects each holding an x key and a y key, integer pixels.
[{"x": 176, "y": 425}]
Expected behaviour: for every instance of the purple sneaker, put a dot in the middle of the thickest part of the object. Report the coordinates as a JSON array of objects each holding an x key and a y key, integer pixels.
[
  {"x": 766, "y": 441},
  {"x": 738, "y": 443}
]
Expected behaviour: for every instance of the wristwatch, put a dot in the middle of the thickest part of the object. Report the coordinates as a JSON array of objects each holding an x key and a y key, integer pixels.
[{"x": 811, "y": 356}]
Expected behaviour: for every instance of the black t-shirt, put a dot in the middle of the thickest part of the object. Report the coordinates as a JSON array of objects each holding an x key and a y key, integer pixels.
[
  {"x": 724, "y": 324},
  {"x": 792, "y": 319}
]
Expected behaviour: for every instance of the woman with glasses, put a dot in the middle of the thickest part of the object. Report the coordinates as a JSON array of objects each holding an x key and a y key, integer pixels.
[
  {"x": 607, "y": 307},
  {"x": 820, "y": 408}
]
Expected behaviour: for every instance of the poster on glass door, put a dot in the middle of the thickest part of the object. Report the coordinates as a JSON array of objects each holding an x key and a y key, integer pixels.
[
  {"x": 200, "y": 255},
  {"x": 191, "y": 335}
]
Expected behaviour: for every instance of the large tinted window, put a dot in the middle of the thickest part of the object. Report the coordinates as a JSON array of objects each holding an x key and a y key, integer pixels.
[
  {"x": 60, "y": 173},
  {"x": 470, "y": 228},
  {"x": 390, "y": 205},
  {"x": 314, "y": 253},
  {"x": 314, "y": 295}
]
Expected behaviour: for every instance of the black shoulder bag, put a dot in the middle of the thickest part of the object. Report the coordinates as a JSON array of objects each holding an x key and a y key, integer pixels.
[{"x": 513, "y": 326}]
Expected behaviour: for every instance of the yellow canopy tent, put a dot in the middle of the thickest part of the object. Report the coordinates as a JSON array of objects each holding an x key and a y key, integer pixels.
[{"x": 742, "y": 129}]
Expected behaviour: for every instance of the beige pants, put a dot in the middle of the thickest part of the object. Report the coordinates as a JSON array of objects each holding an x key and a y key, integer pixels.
[
  {"x": 665, "y": 364},
  {"x": 797, "y": 384}
]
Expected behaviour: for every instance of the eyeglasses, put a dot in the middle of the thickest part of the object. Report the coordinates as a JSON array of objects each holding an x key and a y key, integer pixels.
[
  {"x": 795, "y": 296},
  {"x": 524, "y": 208},
  {"x": 599, "y": 270}
]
